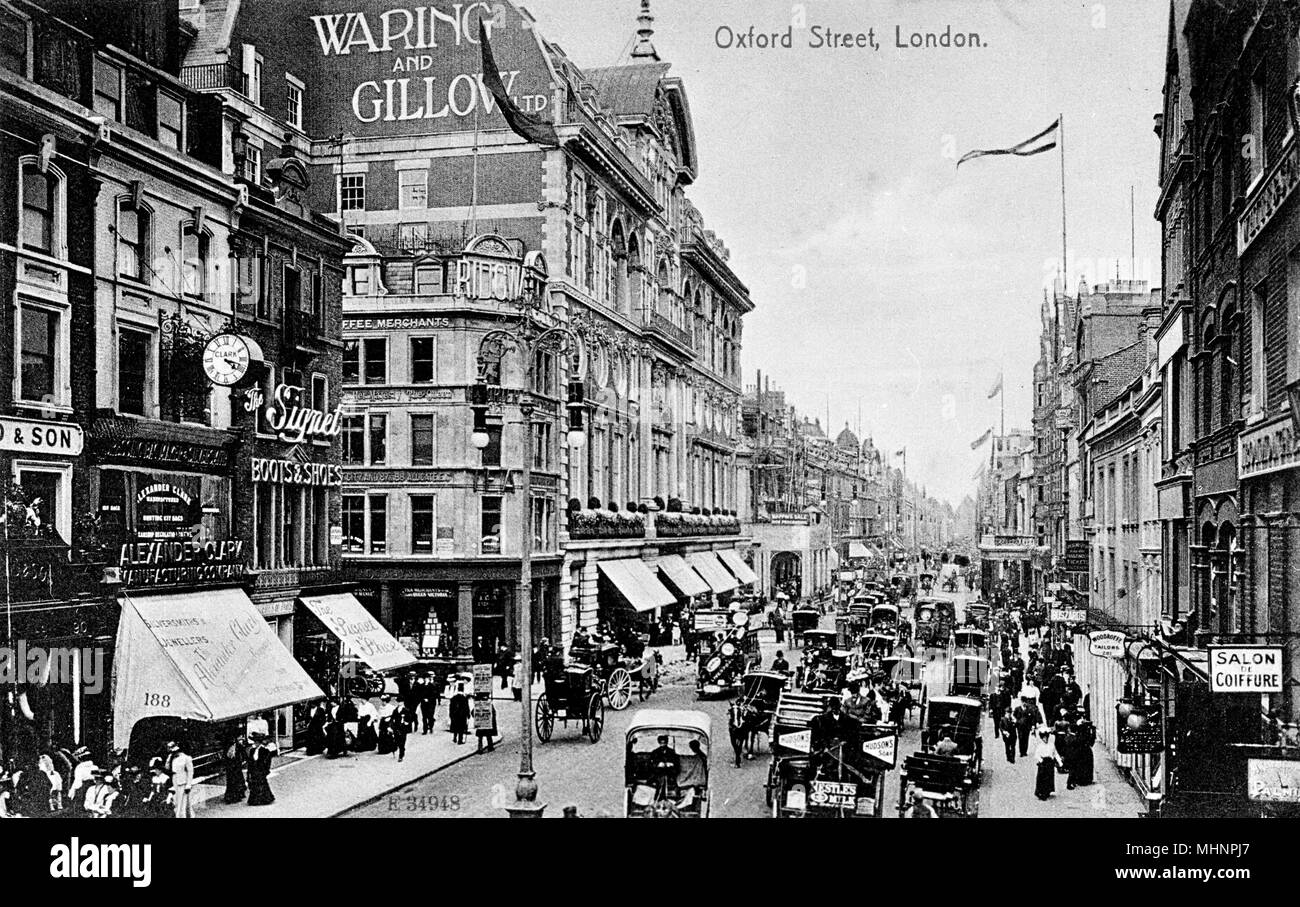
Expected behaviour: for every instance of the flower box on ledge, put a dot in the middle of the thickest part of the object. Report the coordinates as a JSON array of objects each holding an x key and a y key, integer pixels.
[
  {"x": 681, "y": 525},
  {"x": 605, "y": 524}
]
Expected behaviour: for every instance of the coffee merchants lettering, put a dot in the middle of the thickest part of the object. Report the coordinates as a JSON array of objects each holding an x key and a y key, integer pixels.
[
  {"x": 394, "y": 324},
  {"x": 287, "y": 472},
  {"x": 196, "y": 456},
  {"x": 180, "y": 563}
]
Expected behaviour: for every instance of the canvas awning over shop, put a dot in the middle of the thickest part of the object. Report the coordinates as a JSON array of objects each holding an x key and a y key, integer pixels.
[
  {"x": 680, "y": 576},
  {"x": 202, "y": 656},
  {"x": 707, "y": 565},
  {"x": 361, "y": 634},
  {"x": 859, "y": 551},
  {"x": 736, "y": 564},
  {"x": 634, "y": 581}
]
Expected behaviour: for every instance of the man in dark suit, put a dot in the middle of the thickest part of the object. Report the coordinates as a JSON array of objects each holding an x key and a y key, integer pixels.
[{"x": 832, "y": 728}]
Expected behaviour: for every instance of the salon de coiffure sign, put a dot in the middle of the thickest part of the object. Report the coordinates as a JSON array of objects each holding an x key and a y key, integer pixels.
[{"x": 388, "y": 68}]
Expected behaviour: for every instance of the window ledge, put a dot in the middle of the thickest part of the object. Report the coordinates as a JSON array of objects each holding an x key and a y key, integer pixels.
[{"x": 57, "y": 409}]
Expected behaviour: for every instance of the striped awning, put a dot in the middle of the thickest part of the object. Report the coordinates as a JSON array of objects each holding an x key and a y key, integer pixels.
[
  {"x": 736, "y": 564},
  {"x": 634, "y": 581},
  {"x": 707, "y": 565},
  {"x": 680, "y": 575}
]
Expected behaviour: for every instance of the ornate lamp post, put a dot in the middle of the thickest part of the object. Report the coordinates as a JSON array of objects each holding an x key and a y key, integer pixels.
[{"x": 528, "y": 340}]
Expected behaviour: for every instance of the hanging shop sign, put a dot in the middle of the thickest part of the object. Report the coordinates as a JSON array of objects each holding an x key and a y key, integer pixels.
[
  {"x": 290, "y": 421},
  {"x": 1273, "y": 780},
  {"x": 1106, "y": 643},
  {"x": 1076, "y": 556},
  {"x": 1245, "y": 669},
  {"x": 290, "y": 472},
  {"x": 178, "y": 563},
  {"x": 1267, "y": 449},
  {"x": 1268, "y": 198},
  {"x": 1067, "y": 615},
  {"x": 1139, "y": 729},
  {"x": 30, "y": 436}
]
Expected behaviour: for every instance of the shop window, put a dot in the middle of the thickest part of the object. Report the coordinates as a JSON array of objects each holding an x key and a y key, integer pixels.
[
  {"x": 422, "y": 434},
  {"x": 133, "y": 359},
  {"x": 422, "y": 360},
  {"x": 40, "y": 355},
  {"x": 47, "y": 493},
  {"x": 132, "y": 240},
  {"x": 490, "y": 524},
  {"x": 264, "y": 532},
  {"x": 422, "y": 517}
]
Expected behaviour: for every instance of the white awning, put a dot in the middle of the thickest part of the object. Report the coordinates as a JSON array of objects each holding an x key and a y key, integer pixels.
[
  {"x": 637, "y": 584},
  {"x": 858, "y": 551},
  {"x": 362, "y": 635},
  {"x": 736, "y": 564},
  {"x": 707, "y": 565},
  {"x": 203, "y": 656},
  {"x": 681, "y": 576}
]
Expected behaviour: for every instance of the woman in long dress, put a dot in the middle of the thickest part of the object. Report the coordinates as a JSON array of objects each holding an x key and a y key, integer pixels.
[
  {"x": 1048, "y": 760},
  {"x": 1081, "y": 767},
  {"x": 259, "y": 771},
  {"x": 235, "y": 756}
]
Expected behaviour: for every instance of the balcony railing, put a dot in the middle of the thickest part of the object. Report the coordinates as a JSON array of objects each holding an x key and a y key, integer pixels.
[
  {"x": 664, "y": 327},
  {"x": 215, "y": 77}
]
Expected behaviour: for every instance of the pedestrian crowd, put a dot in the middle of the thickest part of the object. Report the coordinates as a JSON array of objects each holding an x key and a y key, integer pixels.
[{"x": 1041, "y": 702}]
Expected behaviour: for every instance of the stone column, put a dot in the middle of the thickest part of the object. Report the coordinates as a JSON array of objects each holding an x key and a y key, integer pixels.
[{"x": 465, "y": 617}]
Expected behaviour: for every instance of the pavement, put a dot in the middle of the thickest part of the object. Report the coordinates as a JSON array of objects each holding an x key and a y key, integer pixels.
[{"x": 321, "y": 787}]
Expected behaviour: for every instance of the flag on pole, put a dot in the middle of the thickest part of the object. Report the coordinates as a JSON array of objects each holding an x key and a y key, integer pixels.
[
  {"x": 524, "y": 125},
  {"x": 1024, "y": 149},
  {"x": 997, "y": 387},
  {"x": 980, "y": 441},
  {"x": 901, "y": 453}
]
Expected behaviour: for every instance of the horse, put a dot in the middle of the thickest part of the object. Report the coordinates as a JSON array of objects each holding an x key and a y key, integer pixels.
[{"x": 744, "y": 724}]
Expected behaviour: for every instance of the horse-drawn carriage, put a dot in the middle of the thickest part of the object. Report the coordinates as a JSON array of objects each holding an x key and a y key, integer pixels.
[
  {"x": 970, "y": 641},
  {"x": 666, "y": 764},
  {"x": 903, "y": 678},
  {"x": 617, "y": 673},
  {"x": 962, "y": 719},
  {"x": 825, "y": 671},
  {"x": 977, "y": 615},
  {"x": 576, "y": 693},
  {"x": 723, "y": 662},
  {"x": 970, "y": 677},
  {"x": 804, "y": 618},
  {"x": 819, "y": 778},
  {"x": 934, "y": 621},
  {"x": 940, "y": 781},
  {"x": 752, "y": 711}
]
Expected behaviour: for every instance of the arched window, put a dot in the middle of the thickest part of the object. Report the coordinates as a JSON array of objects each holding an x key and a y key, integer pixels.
[
  {"x": 1229, "y": 358},
  {"x": 635, "y": 275},
  {"x": 664, "y": 290},
  {"x": 618, "y": 272},
  {"x": 134, "y": 220},
  {"x": 42, "y": 218}
]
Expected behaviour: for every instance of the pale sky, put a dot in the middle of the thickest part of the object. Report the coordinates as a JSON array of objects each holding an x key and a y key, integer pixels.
[{"x": 922, "y": 282}]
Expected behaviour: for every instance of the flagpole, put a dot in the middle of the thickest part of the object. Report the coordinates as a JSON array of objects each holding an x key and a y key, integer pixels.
[
  {"x": 1002, "y": 401},
  {"x": 1065, "y": 269},
  {"x": 473, "y": 185}
]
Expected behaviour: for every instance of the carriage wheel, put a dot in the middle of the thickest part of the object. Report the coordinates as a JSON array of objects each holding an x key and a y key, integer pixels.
[
  {"x": 545, "y": 719},
  {"x": 595, "y": 718},
  {"x": 619, "y": 689}
]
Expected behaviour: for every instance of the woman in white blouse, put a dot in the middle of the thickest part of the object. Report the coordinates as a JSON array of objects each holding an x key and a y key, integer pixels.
[{"x": 1047, "y": 759}]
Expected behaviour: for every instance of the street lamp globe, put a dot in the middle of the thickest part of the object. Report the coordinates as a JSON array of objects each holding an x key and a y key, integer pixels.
[
  {"x": 577, "y": 438},
  {"x": 479, "y": 439}
]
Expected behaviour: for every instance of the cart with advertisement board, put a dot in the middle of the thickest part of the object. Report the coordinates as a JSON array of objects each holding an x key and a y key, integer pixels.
[
  {"x": 666, "y": 765},
  {"x": 575, "y": 693},
  {"x": 723, "y": 662}
]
